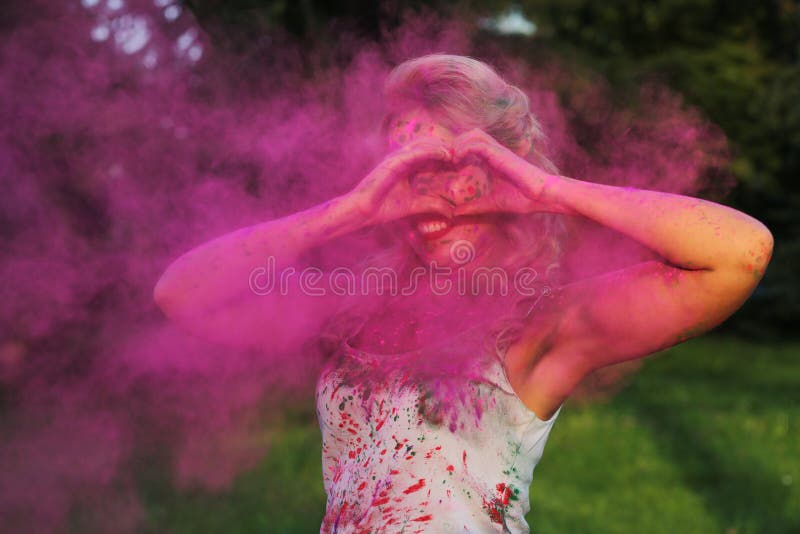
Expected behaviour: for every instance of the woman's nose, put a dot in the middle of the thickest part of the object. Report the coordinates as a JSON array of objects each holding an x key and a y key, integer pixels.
[
  {"x": 457, "y": 187},
  {"x": 468, "y": 184}
]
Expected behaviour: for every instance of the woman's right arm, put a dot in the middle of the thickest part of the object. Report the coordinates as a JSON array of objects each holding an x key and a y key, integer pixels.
[{"x": 209, "y": 292}]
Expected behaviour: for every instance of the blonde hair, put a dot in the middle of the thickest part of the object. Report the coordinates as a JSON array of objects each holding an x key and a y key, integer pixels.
[{"x": 463, "y": 93}]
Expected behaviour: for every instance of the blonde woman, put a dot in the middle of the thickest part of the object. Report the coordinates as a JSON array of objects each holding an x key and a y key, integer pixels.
[{"x": 434, "y": 405}]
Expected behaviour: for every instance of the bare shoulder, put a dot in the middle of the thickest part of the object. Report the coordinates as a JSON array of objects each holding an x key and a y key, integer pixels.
[
  {"x": 539, "y": 366},
  {"x": 618, "y": 316}
]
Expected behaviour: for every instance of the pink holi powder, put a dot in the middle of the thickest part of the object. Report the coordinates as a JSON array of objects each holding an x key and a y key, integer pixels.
[{"x": 114, "y": 166}]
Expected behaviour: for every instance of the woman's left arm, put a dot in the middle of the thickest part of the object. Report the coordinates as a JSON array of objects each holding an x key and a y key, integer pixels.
[
  {"x": 690, "y": 233},
  {"x": 714, "y": 258}
]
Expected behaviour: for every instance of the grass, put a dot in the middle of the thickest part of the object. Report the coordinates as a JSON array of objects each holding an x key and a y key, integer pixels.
[{"x": 705, "y": 438}]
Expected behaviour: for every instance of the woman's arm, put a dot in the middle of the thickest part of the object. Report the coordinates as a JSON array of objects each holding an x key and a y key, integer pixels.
[
  {"x": 714, "y": 258},
  {"x": 209, "y": 290},
  {"x": 218, "y": 271},
  {"x": 696, "y": 237},
  {"x": 689, "y": 232}
]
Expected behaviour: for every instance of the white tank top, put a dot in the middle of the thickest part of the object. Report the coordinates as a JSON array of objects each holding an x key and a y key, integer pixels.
[{"x": 387, "y": 469}]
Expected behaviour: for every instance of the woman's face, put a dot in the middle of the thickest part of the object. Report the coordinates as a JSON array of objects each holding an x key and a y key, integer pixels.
[{"x": 433, "y": 237}]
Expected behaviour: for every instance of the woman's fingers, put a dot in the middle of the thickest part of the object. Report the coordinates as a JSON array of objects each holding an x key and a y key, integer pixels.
[
  {"x": 431, "y": 204},
  {"x": 477, "y": 206},
  {"x": 504, "y": 198},
  {"x": 422, "y": 151},
  {"x": 390, "y": 194},
  {"x": 405, "y": 162},
  {"x": 509, "y": 166},
  {"x": 477, "y": 144},
  {"x": 397, "y": 167}
]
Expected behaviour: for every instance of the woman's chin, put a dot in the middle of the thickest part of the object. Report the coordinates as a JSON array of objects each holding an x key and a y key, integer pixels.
[{"x": 438, "y": 256}]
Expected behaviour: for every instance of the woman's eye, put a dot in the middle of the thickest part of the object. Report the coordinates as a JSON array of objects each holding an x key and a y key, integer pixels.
[{"x": 426, "y": 181}]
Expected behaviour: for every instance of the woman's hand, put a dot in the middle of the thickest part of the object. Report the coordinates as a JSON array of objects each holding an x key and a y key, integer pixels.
[
  {"x": 386, "y": 193},
  {"x": 523, "y": 187}
]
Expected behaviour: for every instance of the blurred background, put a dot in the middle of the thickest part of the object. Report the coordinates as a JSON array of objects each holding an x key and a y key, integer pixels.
[{"x": 704, "y": 438}]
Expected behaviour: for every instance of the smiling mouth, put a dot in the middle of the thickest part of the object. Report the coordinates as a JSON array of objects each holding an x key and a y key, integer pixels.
[{"x": 431, "y": 229}]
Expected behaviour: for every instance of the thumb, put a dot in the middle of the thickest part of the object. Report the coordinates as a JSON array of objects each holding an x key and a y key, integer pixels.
[
  {"x": 432, "y": 204},
  {"x": 475, "y": 207}
]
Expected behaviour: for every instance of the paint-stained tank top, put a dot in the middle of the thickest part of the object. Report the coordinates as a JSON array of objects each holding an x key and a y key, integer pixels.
[{"x": 387, "y": 467}]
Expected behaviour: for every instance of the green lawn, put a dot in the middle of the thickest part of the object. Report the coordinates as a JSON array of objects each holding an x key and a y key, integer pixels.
[{"x": 705, "y": 438}]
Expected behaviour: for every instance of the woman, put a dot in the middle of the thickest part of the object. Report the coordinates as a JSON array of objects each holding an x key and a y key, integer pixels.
[{"x": 427, "y": 427}]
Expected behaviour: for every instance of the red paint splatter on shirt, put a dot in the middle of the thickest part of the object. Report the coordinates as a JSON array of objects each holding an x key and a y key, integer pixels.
[{"x": 415, "y": 487}]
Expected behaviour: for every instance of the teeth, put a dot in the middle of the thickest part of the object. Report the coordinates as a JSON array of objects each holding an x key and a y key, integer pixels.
[{"x": 430, "y": 227}]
